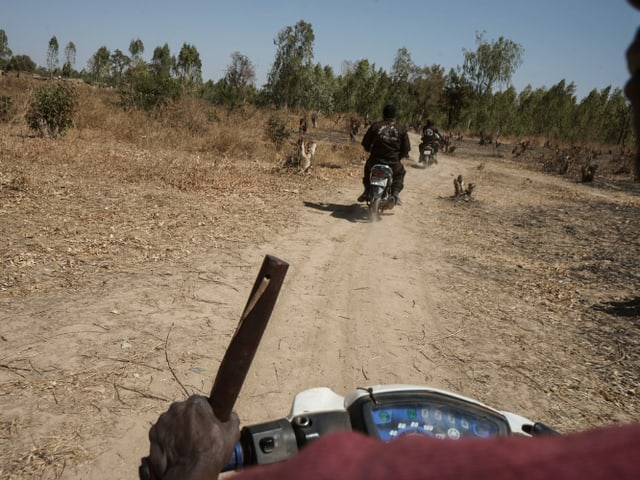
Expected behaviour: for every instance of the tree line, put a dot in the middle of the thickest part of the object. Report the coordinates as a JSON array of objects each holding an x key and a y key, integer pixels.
[{"x": 475, "y": 97}]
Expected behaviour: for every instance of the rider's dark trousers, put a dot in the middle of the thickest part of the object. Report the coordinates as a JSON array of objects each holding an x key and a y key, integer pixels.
[{"x": 398, "y": 174}]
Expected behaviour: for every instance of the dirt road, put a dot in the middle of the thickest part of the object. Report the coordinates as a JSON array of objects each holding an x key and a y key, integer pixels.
[{"x": 503, "y": 298}]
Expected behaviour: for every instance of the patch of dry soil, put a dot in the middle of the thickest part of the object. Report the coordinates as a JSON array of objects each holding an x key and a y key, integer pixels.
[{"x": 118, "y": 299}]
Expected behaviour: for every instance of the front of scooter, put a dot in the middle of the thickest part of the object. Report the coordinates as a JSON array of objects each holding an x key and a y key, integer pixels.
[{"x": 385, "y": 412}]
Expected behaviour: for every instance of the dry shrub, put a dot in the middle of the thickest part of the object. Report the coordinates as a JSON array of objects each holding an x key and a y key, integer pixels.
[
  {"x": 189, "y": 144},
  {"x": 621, "y": 164},
  {"x": 226, "y": 142},
  {"x": 7, "y": 108},
  {"x": 19, "y": 89},
  {"x": 240, "y": 135},
  {"x": 277, "y": 131},
  {"x": 336, "y": 155},
  {"x": 19, "y": 183},
  {"x": 188, "y": 116},
  {"x": 95, "y": 106}
]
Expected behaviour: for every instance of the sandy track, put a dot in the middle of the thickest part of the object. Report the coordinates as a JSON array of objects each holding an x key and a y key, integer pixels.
[{"x": 453, "y": 294}]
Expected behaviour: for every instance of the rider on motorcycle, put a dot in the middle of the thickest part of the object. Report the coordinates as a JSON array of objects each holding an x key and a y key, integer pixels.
[
  {"x": 387, "y": 143},
  {"x": 430, "y": 136}
]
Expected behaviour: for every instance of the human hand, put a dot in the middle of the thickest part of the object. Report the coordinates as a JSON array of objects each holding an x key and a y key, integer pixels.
[{"x": 189, "y": 442}]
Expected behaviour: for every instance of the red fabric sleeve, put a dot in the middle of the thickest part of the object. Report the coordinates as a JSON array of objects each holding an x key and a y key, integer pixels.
[{"x": 605, "y": 453}]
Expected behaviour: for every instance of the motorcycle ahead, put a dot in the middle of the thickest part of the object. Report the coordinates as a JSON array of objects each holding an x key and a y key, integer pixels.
[
  {"x": 428, "y": 155},
  {"x": 380, "y": 178}
]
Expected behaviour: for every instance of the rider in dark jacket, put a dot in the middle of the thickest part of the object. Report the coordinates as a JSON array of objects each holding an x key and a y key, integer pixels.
[
  {"x": 430, "y": 136},
  {"x": 387, "y": 143}
]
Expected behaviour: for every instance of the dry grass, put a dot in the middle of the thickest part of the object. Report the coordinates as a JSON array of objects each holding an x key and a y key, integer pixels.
[
  {"x": 121, "y": 191},
  {"x": 78, "y": 203},
  {"x": 125, "y": 191}
]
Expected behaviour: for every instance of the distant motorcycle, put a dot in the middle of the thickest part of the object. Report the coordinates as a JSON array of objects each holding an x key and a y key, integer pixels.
[
  {"x": 380, "y": 178},
  {"x": 428, "y": 155},
  {"x": 431, "y": 141}
]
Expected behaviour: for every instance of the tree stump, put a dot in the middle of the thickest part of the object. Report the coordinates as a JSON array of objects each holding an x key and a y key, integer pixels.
[
  {"x": 461, "y": 190},
  {"x": 588, "y": 172}
]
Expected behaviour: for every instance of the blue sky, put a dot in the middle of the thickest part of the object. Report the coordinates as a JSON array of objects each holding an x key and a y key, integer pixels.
[{"x": 580, "y": 41}]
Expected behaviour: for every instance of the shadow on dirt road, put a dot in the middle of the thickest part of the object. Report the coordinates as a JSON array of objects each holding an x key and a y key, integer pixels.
[{"x": 353, "y": 213}]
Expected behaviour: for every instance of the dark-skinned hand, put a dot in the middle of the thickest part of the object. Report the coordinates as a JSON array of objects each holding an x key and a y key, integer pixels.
[{"x": 189, "y": 442}]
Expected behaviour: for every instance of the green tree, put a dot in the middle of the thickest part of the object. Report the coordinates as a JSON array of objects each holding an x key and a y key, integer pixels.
[
  {"x": 290, "y": 74},
  {"x": 189, "y": 66},
  {"x": 604, "y": 116},
  {"x": 618, "y": 110},
  {"x": 240, "y": 79},
  {"x": 237, "y": 87},
  {"x": 52, "y": 56},
  {"x": 119, "y": 63},
  {"x": 492, "y": 64},
  {"x": 504, "y": 110},
  {"x": 136, "y": 49},
  {"x": 21, "y": 63},
  {"x": 146, "y": 90},
  {"x": 362, "y": 88},
  {"x": 403, "y": 67},
  {"x": 240, "y": 73},
  {"x": 218, "y": 93},
  {"x": 403, "y": 72},
  {"x": 350, "y": 85},
  {"x": 557, "y": 116},
  {"x": 51, "y": 110},
  {"x": 5, "y": 51},
  {"x": 426, "y": 90},
  {"x": 530, "y": 111},
  {"x": 69, "y": 60},
  {"x": 589, "y": 115},
  {"x": 162, "y": 62},
  {"x": 150, "y": 88},
  {"x": 99, "y": 64},
  {"x": 457, "y": 96},
  {"x": 320, "y": 97}
]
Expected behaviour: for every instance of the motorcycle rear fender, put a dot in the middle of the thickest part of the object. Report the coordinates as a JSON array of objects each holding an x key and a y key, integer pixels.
[
  {"x": 380, "y": 171},
  {"x": 377, "y": 191},
  {"x": 381, "y": 177}
]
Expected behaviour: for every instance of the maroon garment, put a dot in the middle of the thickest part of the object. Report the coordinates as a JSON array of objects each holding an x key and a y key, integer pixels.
[{"x": 607, "y": 453}]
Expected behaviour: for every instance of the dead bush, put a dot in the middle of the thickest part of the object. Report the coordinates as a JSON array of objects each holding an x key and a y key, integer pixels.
[{"x": 7, "y": 108}]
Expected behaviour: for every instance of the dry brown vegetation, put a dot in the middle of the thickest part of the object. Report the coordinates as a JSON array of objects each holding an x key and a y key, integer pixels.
[
  {"x": 100, "y": 194},
  {"x": 124, "y": 192}
]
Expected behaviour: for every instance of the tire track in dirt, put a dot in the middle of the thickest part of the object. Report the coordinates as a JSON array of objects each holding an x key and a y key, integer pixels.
[
  {"x": 357, "y": 307},
  {"x": 451, "y": 294}
]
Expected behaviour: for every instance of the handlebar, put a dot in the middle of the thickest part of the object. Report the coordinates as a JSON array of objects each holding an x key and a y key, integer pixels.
[
  {"x": 277, "y": 440},
  {"x": 383, "y": 412}
]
